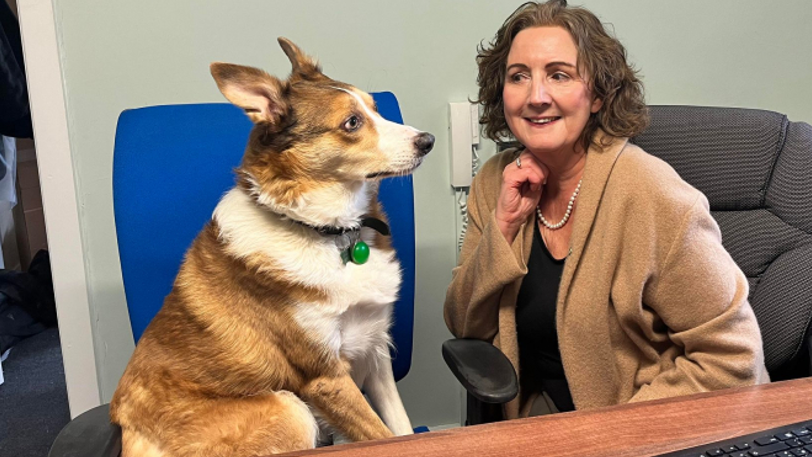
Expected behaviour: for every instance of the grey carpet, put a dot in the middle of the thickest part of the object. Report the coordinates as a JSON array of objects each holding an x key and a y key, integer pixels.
[{"x": 33, "y": 400}]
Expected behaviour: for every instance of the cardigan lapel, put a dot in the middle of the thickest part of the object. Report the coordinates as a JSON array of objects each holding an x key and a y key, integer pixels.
[{"x": 598, "y": 167}]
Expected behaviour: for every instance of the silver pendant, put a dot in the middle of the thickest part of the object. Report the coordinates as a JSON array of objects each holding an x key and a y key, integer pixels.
[
  {"x": 347, "y": 239},
  {"x": 343, "y": 241}
]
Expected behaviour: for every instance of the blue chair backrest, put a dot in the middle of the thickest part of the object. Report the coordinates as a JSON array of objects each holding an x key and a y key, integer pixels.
[{"x": 172, "y": 164}]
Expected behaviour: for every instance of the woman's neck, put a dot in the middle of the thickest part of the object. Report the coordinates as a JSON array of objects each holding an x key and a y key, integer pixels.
[{"x": 565, "y": 171}]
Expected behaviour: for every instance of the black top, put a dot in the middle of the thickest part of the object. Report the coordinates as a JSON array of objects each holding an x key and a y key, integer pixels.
[{"x": 539, "y": 357}]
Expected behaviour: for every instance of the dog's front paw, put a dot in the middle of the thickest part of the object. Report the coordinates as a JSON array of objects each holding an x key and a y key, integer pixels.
[{"x": 402, "y": 429}]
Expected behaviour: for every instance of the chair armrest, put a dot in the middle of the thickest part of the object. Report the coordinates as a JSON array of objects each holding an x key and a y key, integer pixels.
[
  {"x": 90, "y": 434},
  {"x": 484, "y": 371}
]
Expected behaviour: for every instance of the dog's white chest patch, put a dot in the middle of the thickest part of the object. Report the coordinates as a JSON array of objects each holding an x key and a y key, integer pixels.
[
  {"x": 355, "y": 333},
  {"x": 355, "y": 321}
]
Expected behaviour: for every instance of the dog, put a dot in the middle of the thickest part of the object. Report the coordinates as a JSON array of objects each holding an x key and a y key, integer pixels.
[{"x": 280, "y": 312}]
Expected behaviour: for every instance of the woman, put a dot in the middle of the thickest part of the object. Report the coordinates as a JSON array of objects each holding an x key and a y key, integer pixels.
[{"x": 591, "y": 264}]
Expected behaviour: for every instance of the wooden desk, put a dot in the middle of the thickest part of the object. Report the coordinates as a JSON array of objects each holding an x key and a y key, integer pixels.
[{"x": 635, "y": 430}]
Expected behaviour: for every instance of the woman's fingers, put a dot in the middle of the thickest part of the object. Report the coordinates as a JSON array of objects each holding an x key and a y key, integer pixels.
[
  {"x": 522, "y": 185},
  {"x": 526, "y": 175},
  {"x": 529, "y": 161}
]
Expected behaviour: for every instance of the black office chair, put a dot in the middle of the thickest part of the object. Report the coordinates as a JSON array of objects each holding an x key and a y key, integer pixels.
[{"x": 755, "y": 167}]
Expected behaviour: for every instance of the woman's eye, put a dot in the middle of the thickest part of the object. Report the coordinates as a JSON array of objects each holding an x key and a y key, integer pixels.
[
  {"x": 352, "y": 123},
  {"x": 516, "y": 77},
  {"x": 560, "y": 77}
]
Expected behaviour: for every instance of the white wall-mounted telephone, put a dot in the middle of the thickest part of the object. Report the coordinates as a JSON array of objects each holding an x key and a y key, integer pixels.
[{"x": 464, "y": 135}]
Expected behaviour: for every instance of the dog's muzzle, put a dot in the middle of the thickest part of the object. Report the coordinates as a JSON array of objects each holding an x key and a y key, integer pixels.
[{"x": 424, "y": 142}]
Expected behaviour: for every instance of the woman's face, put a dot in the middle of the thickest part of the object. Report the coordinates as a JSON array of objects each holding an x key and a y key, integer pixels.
[{"x": 547, "y": 103}]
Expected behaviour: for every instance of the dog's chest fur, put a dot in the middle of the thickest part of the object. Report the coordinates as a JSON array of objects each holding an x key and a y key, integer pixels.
[{"x": 354, "y": 319}]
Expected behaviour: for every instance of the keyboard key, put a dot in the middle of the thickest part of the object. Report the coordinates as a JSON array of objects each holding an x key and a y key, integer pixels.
[
  {"x": 763, "y": 441},
  {"x": 800, "y": 452},
  {"x": 801, "y": 432},
  {"x": 746, "y": 446},
  {"x": 795, "y": 442},
  {"x": 715, "y": 453},
  {"x": 785, "y": 436},
  {"x": 770, "y": 448}
]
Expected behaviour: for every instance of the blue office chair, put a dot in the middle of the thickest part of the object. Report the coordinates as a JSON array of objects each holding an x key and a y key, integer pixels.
[{"x": 171, "y": 165}]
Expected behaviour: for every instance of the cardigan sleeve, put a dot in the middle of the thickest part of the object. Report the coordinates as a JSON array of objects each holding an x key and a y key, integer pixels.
[
  {"x": 487, "y": 262},
  {"x": 701, "y": 296}
]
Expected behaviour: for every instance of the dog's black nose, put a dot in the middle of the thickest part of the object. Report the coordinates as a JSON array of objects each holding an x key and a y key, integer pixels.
[{"x": 424, "y": 142}]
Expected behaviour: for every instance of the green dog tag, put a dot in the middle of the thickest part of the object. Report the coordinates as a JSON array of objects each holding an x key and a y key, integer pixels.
[{"x": 360, "y": 253}]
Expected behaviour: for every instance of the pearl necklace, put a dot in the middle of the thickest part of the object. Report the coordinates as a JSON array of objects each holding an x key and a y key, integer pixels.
[{"x": 566, "y": 215}]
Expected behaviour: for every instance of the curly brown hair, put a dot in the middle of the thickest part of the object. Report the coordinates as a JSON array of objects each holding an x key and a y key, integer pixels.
[{"x": 601, "y": 58}]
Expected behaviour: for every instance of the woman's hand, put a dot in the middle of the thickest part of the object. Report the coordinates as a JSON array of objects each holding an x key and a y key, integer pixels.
[{"x": 520, "y": 193}]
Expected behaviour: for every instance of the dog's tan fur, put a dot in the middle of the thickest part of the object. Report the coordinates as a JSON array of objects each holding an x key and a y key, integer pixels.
[{"x": 249, "y": 351}]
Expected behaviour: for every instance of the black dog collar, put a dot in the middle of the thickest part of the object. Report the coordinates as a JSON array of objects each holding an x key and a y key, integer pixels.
[
  {"x": 348, "y": 239},
  {"x": 371, "y": 222}
]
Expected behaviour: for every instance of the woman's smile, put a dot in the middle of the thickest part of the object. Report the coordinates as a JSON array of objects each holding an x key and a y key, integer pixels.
[{"x": 542, "y": 121}]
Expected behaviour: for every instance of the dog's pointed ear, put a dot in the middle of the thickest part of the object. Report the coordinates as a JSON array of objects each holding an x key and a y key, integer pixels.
[
  {"x": 304, "y": 66},
  {"x": 256, "y": 92}
]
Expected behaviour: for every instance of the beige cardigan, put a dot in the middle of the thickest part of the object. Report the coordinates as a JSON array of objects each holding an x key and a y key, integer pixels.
[{"x": 650, "y": 304}]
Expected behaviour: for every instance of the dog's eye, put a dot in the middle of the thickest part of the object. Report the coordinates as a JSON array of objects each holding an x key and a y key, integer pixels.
[{"x": 352, "y": 124}]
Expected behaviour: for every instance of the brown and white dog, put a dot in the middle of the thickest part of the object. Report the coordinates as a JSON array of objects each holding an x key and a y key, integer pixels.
[{"x": 271, "y": 330}]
